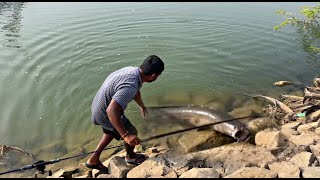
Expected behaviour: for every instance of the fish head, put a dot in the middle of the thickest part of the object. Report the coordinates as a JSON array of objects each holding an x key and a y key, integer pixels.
[{"x": 242, "y": 134}]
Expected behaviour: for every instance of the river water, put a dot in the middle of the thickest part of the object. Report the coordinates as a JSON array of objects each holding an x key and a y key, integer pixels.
[{"x": 55, "y": 55}]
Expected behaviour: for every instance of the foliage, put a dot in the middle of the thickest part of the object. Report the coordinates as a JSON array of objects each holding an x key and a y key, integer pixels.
[{"x": 308, "y": 26}]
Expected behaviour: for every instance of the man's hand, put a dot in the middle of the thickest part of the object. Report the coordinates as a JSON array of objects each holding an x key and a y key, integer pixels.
[
  {"x": 132, "y": 140},
  {"x": 144, "y": 112}
]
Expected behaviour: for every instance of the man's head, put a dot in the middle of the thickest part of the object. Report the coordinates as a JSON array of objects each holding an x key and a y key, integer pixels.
[{"x": 151, "y": 68}]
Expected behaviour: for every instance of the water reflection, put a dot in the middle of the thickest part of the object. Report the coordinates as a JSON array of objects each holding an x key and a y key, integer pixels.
[{"x": 10, "y": 15}]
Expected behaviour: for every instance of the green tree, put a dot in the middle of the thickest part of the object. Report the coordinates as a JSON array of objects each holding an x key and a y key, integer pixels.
[{"x": 307, "y": 26}]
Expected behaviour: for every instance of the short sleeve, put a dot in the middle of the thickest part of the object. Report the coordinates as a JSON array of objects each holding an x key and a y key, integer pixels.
[{"x": 124, "y": 95}]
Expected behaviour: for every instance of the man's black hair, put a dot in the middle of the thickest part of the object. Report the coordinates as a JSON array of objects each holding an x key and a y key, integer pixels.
[{"x": 152, "y": 65}]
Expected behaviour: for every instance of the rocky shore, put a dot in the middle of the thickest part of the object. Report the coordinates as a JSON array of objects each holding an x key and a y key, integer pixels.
[
  {"x": 290, "y": 152},
  {"x": 284, "y": 143}
]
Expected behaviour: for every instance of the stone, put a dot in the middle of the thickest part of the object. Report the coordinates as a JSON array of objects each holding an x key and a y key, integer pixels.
[
  {"x": 200, "y": 173},
  {"x": 252, "y": 172},
  {"x": 152, "y": 167},
  {"x": 285, "y": 169},
  {"x": 303, "y": 159},
  {"x": 270, "y": 139},
  {"x": 311, "y": 172},
  {"x": 118, "y": 167}
]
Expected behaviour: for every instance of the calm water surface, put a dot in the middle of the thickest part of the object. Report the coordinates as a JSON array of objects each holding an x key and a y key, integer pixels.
[{"x": 54, "y": 57}]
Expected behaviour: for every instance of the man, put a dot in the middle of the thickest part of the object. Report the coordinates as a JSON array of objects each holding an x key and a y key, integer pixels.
[{"x": 120, "y": 88}]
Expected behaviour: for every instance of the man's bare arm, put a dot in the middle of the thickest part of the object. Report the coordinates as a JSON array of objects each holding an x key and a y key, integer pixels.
[
  {"x": 138, "y": 100},
  {"x": 113, "y": 112}
]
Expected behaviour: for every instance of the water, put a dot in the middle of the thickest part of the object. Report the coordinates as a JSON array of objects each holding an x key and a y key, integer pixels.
[{"x": 54, "y": 57}]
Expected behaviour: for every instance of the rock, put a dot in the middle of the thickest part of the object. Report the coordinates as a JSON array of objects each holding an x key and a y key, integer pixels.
[
  {"x": 303, "y": 159},
  {"x": 57, "y": 174},
  {"x": 315, "y": 163},
  {"x": 307, "y": 128},
  {"x": 152, "y": 167},
  {"x": 118, "y": 167},
  {"x": 221, "y": 172},
  {"x": 291, "y": 125},
  {"x": 311, "y": 172},
  {"x": 258, "y": 124},
  {"x": 156, "y": 151},
  {"x": 245, "y": 110},
  {"x": 65, "y": 173},
  {"x": 317, "y": 131},
  {"x": 270, "y": 139},
  {"x": 235, "y": 156},
  {"x": 285, "y": 169},
  {"x": 315, "y": 149},
  {"x": 304, "y": 139},
  {"x": 252, "y": 172},
  {"x": 179, "y": 163},
  {"x": 200, "y": 173},
  {"x": 105, "y": 176},
  {"x": 203, "y": 140},
  {"x": 83, "y": 176}
]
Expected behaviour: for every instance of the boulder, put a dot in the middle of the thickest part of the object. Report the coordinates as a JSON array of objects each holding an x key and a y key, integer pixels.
[
  {"x": 311, "y": 172},
  {"x": 303, "y": 159},
  {"x": 200, "y": 173},
  {"x": 252, "y": 172},
  {"x": 151, "y": 168},
  {"x": 285, "y": 169},
  {"x": 270, "y": 139},
  {"x": 203, "y": 140},
  {"x": 118, "y": 167}
]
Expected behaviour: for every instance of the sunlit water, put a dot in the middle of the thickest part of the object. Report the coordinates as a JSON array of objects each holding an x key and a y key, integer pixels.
[{"x": 54, "y": 57}]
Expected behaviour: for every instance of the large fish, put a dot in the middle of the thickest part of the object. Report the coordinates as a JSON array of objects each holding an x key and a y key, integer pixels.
[{"x": 198, "y": 116}]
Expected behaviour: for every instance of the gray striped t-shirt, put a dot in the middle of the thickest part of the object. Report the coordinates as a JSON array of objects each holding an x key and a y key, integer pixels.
[{"x": 122, "y": 86}]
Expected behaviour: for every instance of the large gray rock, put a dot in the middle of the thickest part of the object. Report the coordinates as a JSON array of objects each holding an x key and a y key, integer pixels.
[
  {"x": 311, "y": 172},
  {"x": 307, "y": 128},
  {"x": 203, "y": 140},
  {"x": 235, "y": 156},
  {"x": 200, "y": 173},
  {"x": 315, "y": 149},
  {"x": 252, "y": 172},
  {"x": 285, "y": 169},
  {"x": 65, "y": 173},
  {"x": 105, "y": 176},
  {"x": 179, "y": 163},
  {"x": 270, "y": 139},
  {"x": 118, "y": 167},
  {"x": 258, "y": 124},
  {"x": 303, "y": 159},
  {"x": 152, "y": 167},
  {"x": 304, "y": 139}
]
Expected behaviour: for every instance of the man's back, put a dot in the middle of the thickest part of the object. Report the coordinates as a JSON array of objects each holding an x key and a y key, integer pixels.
[{"x": 121, "y": 85}]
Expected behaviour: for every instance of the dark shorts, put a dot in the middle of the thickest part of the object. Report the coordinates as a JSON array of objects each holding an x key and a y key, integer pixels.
[{"x": 130, "y": 127}]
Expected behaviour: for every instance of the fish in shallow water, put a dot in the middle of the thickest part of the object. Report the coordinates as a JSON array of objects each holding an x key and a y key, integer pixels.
[
  {"x": 282, "y": 83},
  {"x": 198, "y": 116}
]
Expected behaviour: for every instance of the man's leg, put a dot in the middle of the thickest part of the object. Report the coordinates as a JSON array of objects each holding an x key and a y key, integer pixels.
[
  {"x": 104, "y": 141},
  {"x": 130, "y": 149}
]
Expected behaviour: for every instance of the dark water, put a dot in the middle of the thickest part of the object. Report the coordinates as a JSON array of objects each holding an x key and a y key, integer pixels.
[{"x": 54, "y": 57}]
